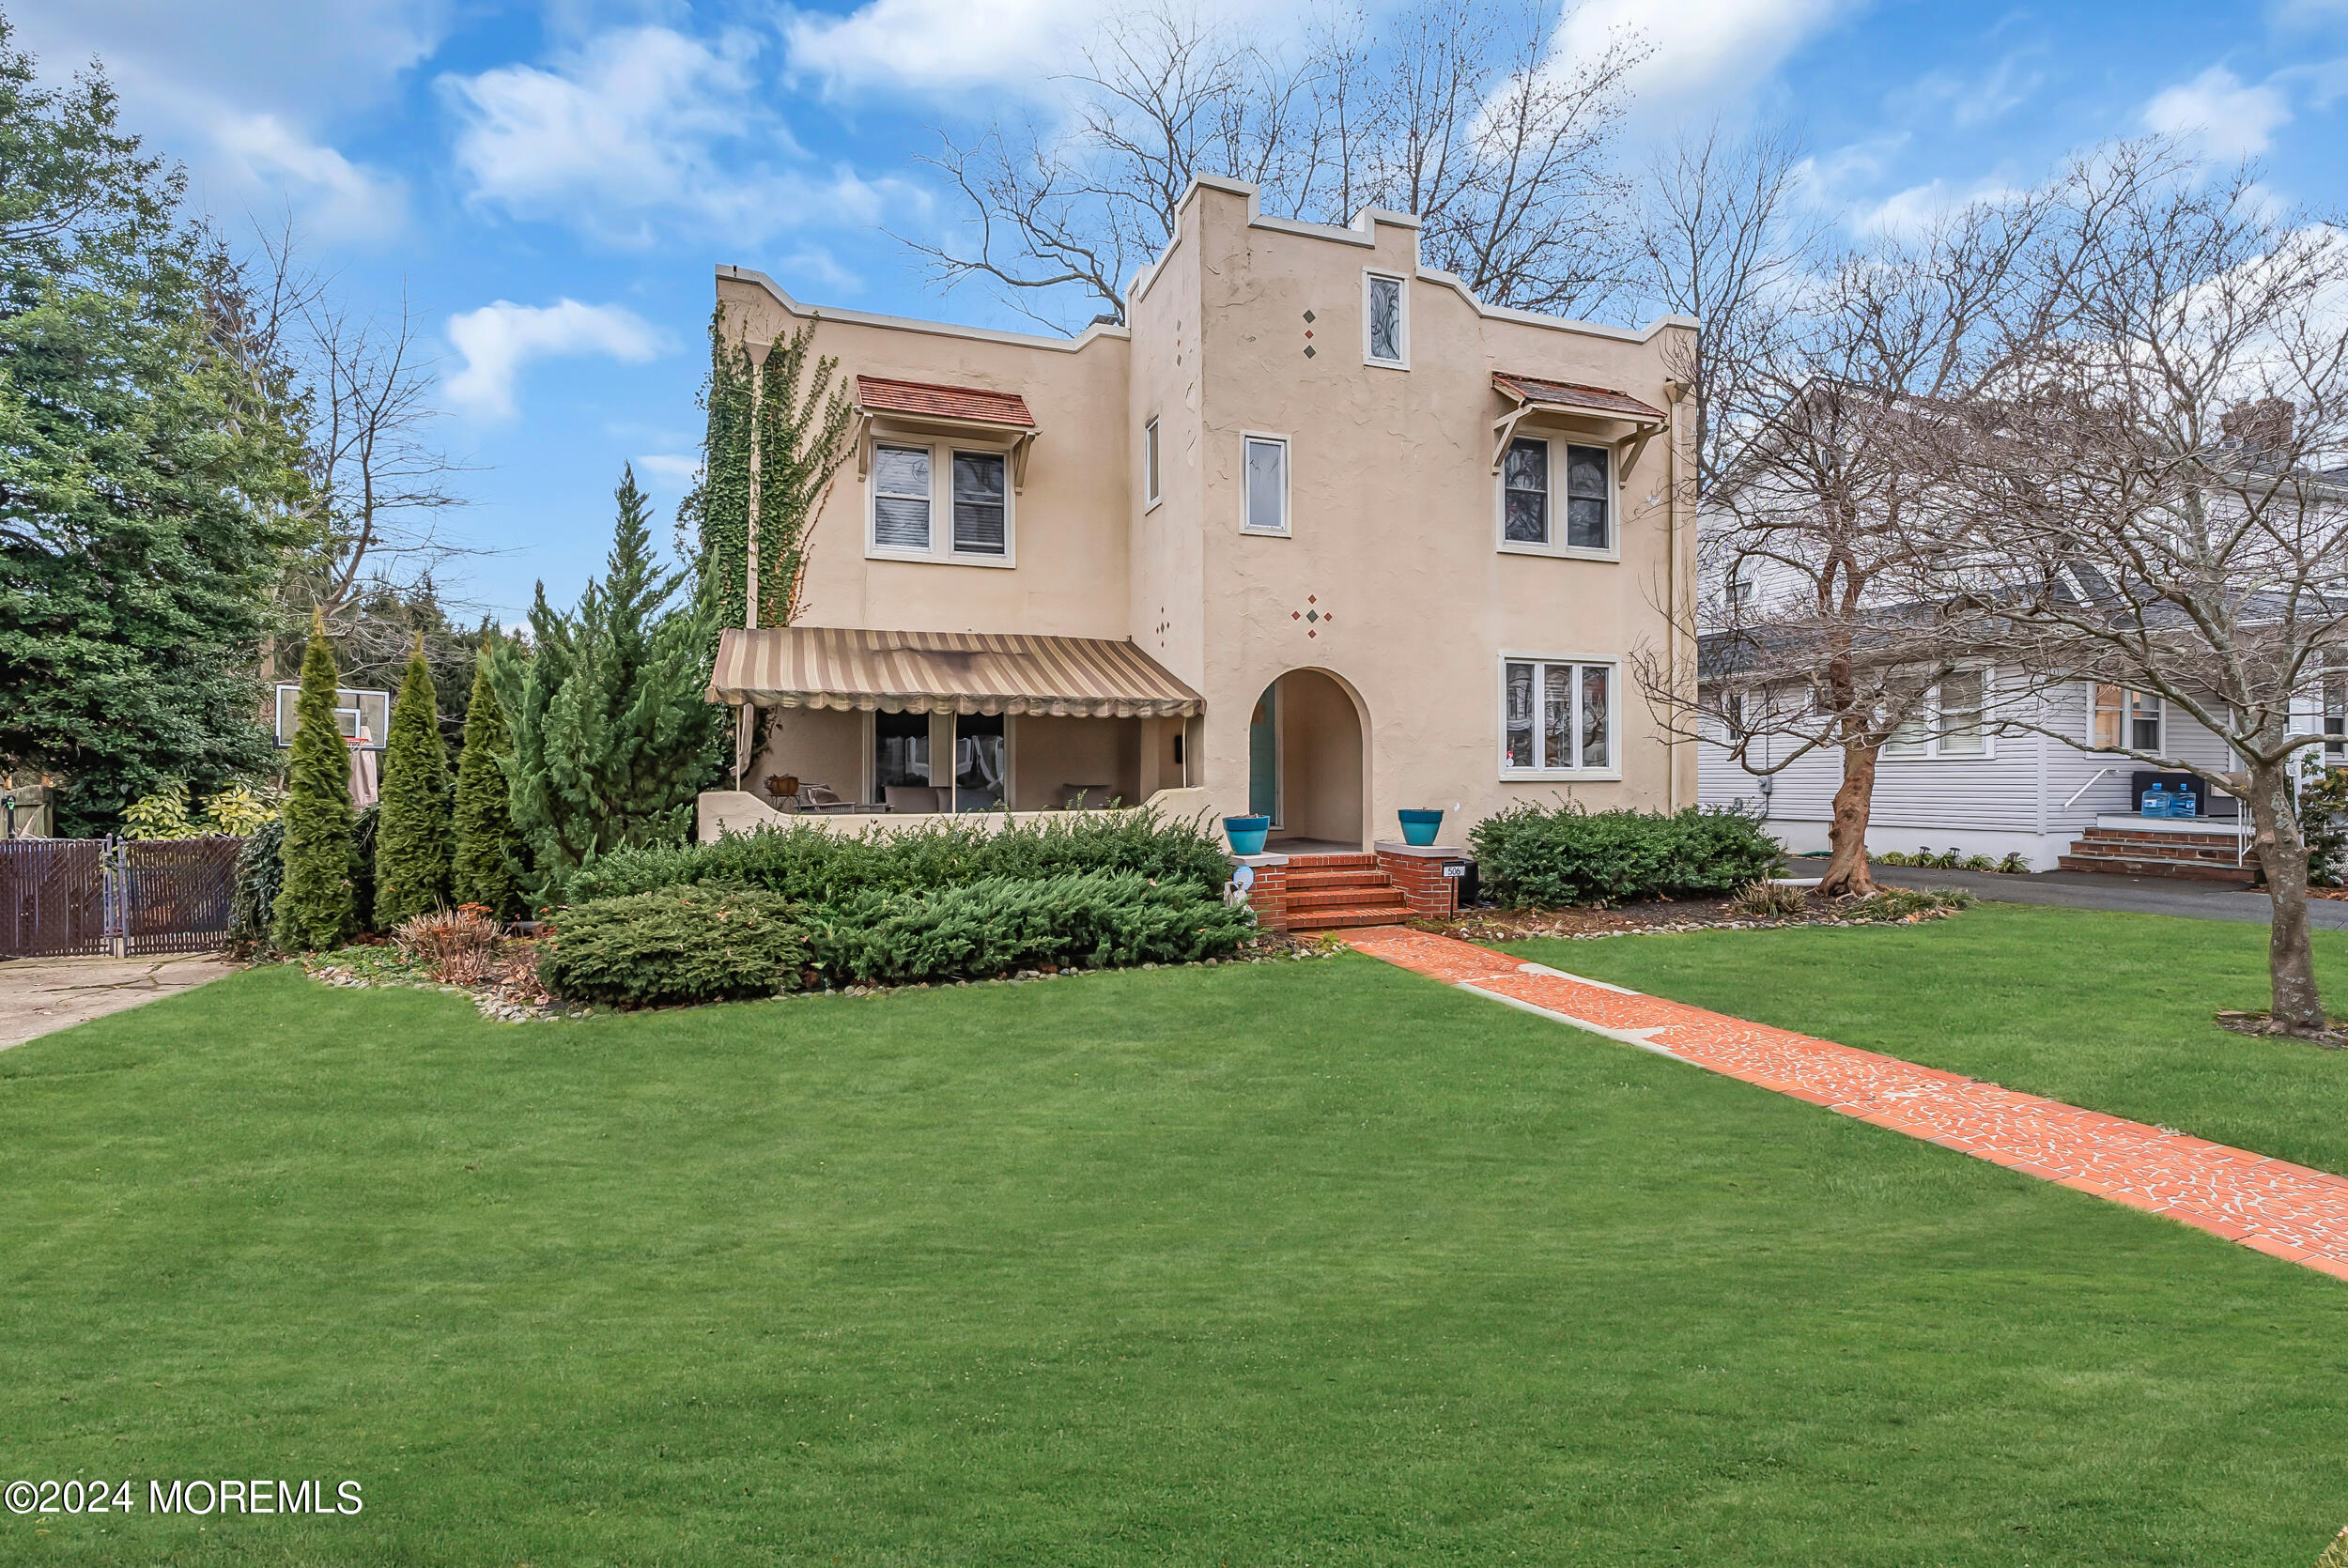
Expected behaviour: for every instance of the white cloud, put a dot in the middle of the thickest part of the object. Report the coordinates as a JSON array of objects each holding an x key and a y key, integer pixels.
[
  {"x": 638, "y": 130},
  {"x": 1905, "y": 214},
  {"x": 940, "y": 45},
  {"x": 1703, "y": 50},
  {"x": 2216, "y": 109},
  {"x": 498, "y": 340},
  {"x": 670, "y": 470},
  {"x": 336, "y": 198}
]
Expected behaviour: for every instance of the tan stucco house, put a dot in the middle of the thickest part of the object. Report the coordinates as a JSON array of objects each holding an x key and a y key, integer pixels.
[{"x": 1317, "y": 532}]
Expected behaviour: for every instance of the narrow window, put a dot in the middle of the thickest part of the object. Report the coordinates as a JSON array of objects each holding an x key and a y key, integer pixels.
[
  {"x": 1913, "y": 738},
  {"x": 1525, "y": 479},
  {"x": 900, "y": 750},
  {"x": 1388, "y": 342},
  {"x": 1267, "y": 484},
  {"x": 1595, "y": 713},
  {"x": 1961, "y": 700},
  {"x": 1150, "y": 461},
  {"x": 979, "y": 503},
  {"x": 1519, "y": 717},
  {"x": 1738, "y": 586},
  {"x": 1557, "y": 715},
  {"x": 900, "y": 498},
  {"x": 2110, "y": 706},
  {"x": 1585, "y": 497},
  {"x": 2143, "y": 721},
  {"x": 2335, "y": 720}
]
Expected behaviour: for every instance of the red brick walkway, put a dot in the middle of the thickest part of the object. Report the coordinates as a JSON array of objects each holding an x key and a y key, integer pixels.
[{"x": 2277, "y": 1207}]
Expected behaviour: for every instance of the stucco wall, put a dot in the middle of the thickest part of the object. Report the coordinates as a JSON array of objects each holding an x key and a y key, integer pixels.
[
  {"x": 1390, "y": 578},
  {"x": 821, "y": 746},
  {"x": 1053, "y": 752}
]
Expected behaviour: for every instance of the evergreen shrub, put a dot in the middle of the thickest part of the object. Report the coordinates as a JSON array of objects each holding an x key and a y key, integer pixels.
[
  {"x": 487, "y": 852},
  {"x": 1092, "y": 920},
  {"x": 808, "y": 865},
  {"x": 1533, "y": 856},
  {"x": 253, "y": 893},
  {"x": 314, "y": 907},
  {"x": 411, "y": 851},
  {"x": 674, "y": 945}
]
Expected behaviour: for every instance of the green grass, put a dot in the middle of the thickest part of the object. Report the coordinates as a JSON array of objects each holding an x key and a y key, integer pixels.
[
  {"x": 1317, "y": 1263},
  {"x": 2112, "y": 1011}
]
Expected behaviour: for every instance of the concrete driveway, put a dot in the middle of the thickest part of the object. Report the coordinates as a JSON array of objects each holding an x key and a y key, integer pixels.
[
  {"x": 39, "y": 995},
  {"x": 2132, "y": 895}
]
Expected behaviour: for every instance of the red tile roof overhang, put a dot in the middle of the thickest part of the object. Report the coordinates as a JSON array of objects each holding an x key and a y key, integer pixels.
[
  {"x": 1572, "y": 396},
  {"x": 931, "y": 401}
]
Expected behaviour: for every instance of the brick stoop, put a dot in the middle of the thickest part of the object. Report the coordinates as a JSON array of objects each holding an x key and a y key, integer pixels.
[
  {"x": 1332, "y": 892},
  {"x": 2150, "y": 853}
]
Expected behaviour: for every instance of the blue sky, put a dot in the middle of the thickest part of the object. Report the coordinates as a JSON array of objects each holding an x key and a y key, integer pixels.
[{"x": 552, "y": 184}]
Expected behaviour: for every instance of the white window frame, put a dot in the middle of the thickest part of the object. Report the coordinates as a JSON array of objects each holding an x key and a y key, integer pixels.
[
  {"x": 2332, "y": 716},
  {"x": 1403, "y": 318},
  {"x": 1927, "y": 747},
  {"x": 1151, "y": 454},
  {"x": 2129, "y": 698},
  {"x": 1560, "y": 502},
  {"x": 1288, "y": 484},
  {"x": 941, "y": 551},
  {"x": 1613, "y": 665}
]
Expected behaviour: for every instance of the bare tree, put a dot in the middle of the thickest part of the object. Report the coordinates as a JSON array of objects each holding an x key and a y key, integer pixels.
[
  {"x": 2158, "y": 497},
  {"x": 1725, "y": 244},
  {"x": 1820, "y": 630},
  {"x": 1459, "y": 114}
]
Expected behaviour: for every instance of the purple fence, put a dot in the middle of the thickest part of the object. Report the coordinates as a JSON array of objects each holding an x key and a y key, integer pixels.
[
  {"x": 60, "y": 896},
  {"x": 53, "y": 896}
]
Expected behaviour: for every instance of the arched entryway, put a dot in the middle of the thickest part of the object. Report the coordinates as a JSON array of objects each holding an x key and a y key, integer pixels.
[{"x": 1307, "y": 740}]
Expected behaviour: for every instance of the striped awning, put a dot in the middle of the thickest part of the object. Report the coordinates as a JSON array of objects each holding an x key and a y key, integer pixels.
[{"x": 945, "y": 673}]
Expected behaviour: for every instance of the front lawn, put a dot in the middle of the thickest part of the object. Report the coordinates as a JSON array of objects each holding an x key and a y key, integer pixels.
[
  {"x": 1313, "y": 1263},
  {"x": 2111, "y": 1011}
]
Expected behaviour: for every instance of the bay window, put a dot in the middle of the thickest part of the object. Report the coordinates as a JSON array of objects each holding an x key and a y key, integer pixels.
[{"x": 1557, "y": 717}]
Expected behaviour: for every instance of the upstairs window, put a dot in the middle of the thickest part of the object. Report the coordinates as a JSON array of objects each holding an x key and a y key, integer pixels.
[
  {"x": 2335, "y": 720},
  {"x": 912, "y": 484},
  {"x": 979, "y": 510},
  {"x": 900, "y": 498},
  {"x": 1738, "y": 587},
  {"x": 1265, "y": 505},
  {"x": 1528, "y": 483},
  {"x": 1150, "y": 462},
  {"x": 1386, "y": 328}
]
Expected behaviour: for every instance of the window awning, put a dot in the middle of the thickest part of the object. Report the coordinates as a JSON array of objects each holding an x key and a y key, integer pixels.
[
  {"x": 995, "y": 417},
  {"x": 1532, "y": 394},
  {"x": 945, "y": 673}
]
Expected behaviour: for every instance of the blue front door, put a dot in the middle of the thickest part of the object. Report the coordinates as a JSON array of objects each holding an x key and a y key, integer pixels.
[{"x": 1263, "y": 758}]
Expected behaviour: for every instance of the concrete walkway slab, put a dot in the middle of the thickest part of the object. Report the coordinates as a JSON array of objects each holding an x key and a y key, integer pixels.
[
  {"x": 2275, "y": 1206},
  {"x": 40, "y": 995}
]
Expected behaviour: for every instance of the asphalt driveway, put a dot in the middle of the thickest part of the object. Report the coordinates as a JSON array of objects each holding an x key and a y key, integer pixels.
[{"x": 2090, "y": 890}]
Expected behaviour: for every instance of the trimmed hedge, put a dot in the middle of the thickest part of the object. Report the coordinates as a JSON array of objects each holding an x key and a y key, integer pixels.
[
  {"x": 677, "y": 944},
  {"x": 1091, "y": 920},
  {"x": 1535, "y": 857},
  {"x": 809, "y": 865}
]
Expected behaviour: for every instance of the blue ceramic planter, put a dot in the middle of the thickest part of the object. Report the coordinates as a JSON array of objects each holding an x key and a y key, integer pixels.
[
  {"x": 1246, "y": 833},
  {"x": 1420, "y": 827}
]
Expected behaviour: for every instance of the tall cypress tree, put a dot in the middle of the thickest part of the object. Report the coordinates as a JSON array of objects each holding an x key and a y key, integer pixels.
[
  {"x": 612, "y": 738},
  {"x": 411, "y": 834},
  {"x": 488, "y": 852},
  {"x": 314, "y": 906}
]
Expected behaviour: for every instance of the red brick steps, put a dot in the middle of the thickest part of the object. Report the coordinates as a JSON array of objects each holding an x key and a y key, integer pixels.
[
  {"x": 2152, "y": 852},
  {"x": 1331, "y": 892}
]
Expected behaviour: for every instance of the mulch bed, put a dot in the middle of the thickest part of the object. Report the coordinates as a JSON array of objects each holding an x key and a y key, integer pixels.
[
  {"x": 1657, "y": 918},
  {"x": 2265, "y": 1026}
]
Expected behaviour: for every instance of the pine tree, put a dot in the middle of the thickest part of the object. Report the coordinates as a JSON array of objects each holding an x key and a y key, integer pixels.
[
  {"x": 411, "y": 841},
  {"x": 488, "y": 852},
  {"x": 314, "y": 906},
  {"x": 612, "y": 738},
  {"x": 142, "y": 479}
]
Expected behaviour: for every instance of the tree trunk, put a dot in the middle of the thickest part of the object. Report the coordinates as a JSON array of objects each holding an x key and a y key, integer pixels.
[
  {"x": 2282, "y": 851},
  {"x": 1846, "y": 868}
]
